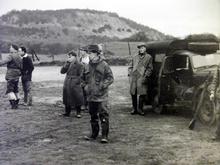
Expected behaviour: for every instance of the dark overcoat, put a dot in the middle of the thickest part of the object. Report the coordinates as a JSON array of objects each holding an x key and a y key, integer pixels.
[
  {"x": 139, "y": 72},
  {"x": 72, "y": 90}
]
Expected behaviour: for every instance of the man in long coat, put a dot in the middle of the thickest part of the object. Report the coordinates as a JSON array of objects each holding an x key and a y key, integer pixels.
[
  {"x": 72, "y": 90},
  {"x": 139, "y": 72}
]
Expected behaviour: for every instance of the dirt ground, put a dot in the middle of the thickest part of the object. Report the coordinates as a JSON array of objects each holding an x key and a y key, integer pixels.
[{"x": 40, "y": 136}]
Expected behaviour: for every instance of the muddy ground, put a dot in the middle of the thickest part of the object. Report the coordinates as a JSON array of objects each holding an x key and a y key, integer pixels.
[{"x": 40, "y": 136}]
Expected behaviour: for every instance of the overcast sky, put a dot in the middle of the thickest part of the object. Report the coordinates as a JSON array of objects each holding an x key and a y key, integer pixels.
[{"x": 175, "y": 17}]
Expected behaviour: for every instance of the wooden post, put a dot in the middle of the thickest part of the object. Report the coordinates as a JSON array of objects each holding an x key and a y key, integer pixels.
[{"x": 129, "y": 48}]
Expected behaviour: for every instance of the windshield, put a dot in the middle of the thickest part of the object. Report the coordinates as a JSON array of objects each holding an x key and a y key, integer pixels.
[{"x": 207, "y": 60}]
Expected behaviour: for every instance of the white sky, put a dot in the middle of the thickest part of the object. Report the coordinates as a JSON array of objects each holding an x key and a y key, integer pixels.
[{"x": 175, "y": 17}]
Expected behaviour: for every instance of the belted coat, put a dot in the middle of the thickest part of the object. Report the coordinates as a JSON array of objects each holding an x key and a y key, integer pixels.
[
  {"x": 72, "y": 90},
  {"x": 139, "y": 72}
]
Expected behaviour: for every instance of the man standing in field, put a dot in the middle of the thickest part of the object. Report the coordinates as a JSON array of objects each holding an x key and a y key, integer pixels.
[
  {"x": 26, "y": 75},
  {"x": 97, "y": 79},
  {"x": 84, "y": 59},
  {"x": 72, "y": 90},
  {"x": 139, "y": 72},
  {"x": 14, "y": 66}
]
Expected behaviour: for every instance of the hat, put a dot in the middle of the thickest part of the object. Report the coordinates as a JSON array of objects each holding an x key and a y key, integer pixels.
[
  {"x": 93, "y": 49},
  {"x": 83, "y": 48},
  {"x": 141, "y": 44},
  {"x": 72, "y": 53},
  {"x": 14, "y": 46}
]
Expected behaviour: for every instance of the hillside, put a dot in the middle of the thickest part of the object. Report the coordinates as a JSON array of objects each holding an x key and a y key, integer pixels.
[{"x": 60, "y": 30}]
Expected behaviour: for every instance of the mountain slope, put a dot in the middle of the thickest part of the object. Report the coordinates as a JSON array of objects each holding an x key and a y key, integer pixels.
[{"x": 69, "y": 26}]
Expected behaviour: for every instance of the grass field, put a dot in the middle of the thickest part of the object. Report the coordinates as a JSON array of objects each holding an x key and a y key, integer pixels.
[{"x": 40, "y": 136}]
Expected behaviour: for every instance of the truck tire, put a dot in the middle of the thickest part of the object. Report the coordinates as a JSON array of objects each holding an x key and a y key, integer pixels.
[{"x": 207, "y": 112}]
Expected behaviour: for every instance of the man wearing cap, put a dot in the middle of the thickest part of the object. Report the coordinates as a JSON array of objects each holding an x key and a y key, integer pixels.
[
  {"x": 98, "y": 78},
  {"x": 72, "y": 91},
  {"x": 139, "y": 72}
]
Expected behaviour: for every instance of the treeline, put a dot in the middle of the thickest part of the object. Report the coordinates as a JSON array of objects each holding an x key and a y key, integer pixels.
[
  {"x": 41, "y": 48},
  {"x": 46, "y": 16},
  {"x": 144, "y": 37}
]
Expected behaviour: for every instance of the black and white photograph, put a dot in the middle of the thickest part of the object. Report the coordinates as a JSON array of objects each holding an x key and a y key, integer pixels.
[{"x": 100, "y": 82}]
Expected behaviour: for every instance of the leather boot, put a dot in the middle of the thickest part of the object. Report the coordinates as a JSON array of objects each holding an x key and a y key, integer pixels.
[
  {"x": 67, "y": 111},
  {"x": 134, "y": 104},
  {"x": 141, "y": 105},
  {"x": 16, "y": 103},
  {"x": 105, "y": 131},
  {"x": 25, "y": 97},
  {"x": 78, "y": 112},
  {"x": 13, "y": 104},
  {"x": 29, "y": 99},
  {"x": 95, "y": 132}
]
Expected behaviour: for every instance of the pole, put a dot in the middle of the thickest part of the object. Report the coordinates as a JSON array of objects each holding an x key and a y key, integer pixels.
[{"x": 129, "y": 48}]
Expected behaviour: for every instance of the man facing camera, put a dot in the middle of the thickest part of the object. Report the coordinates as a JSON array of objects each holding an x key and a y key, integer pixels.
[
  {"x": 97, "y": 79},
  {"x": 139, "y": 72},
  {"x": 26, "y": 75}
]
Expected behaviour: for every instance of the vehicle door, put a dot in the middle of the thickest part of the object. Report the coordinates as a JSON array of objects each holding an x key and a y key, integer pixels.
[{"x": 166, "y": 82}]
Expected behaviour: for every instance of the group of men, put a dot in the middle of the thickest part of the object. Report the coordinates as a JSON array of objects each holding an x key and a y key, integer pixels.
[
  {"x": 19, "y": 64},
  {"x": 86, "y": 82}
]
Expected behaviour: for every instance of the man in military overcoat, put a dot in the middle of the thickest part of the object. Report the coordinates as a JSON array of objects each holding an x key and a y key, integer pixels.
[{"x": 139, "y": 72}]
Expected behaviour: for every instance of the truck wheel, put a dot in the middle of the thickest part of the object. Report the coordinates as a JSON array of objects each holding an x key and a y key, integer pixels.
[{"x": 207, "y": 111}]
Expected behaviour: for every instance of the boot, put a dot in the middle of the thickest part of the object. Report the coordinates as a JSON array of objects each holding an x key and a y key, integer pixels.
[
  {"x": 13, "y": 104},
  {"x": 105, "y": 131},
  {"x": 29, "y": 99},
  {"x": 141, "y": 105},
  {"x": 67, "y": 111},
  {"x": 95, "y": 132},
  {"x": 78, "y": 112},
  {"x": 134, "y": 103},
  {"x": 216, "y": 138},
  {"x": 134, "y": 112},
  {"x": 16, "y": 103},
  {"x": 25, "y": 98}
]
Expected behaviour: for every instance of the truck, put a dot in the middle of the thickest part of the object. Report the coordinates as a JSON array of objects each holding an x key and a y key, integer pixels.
[{"x": 181, "y": 68}]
